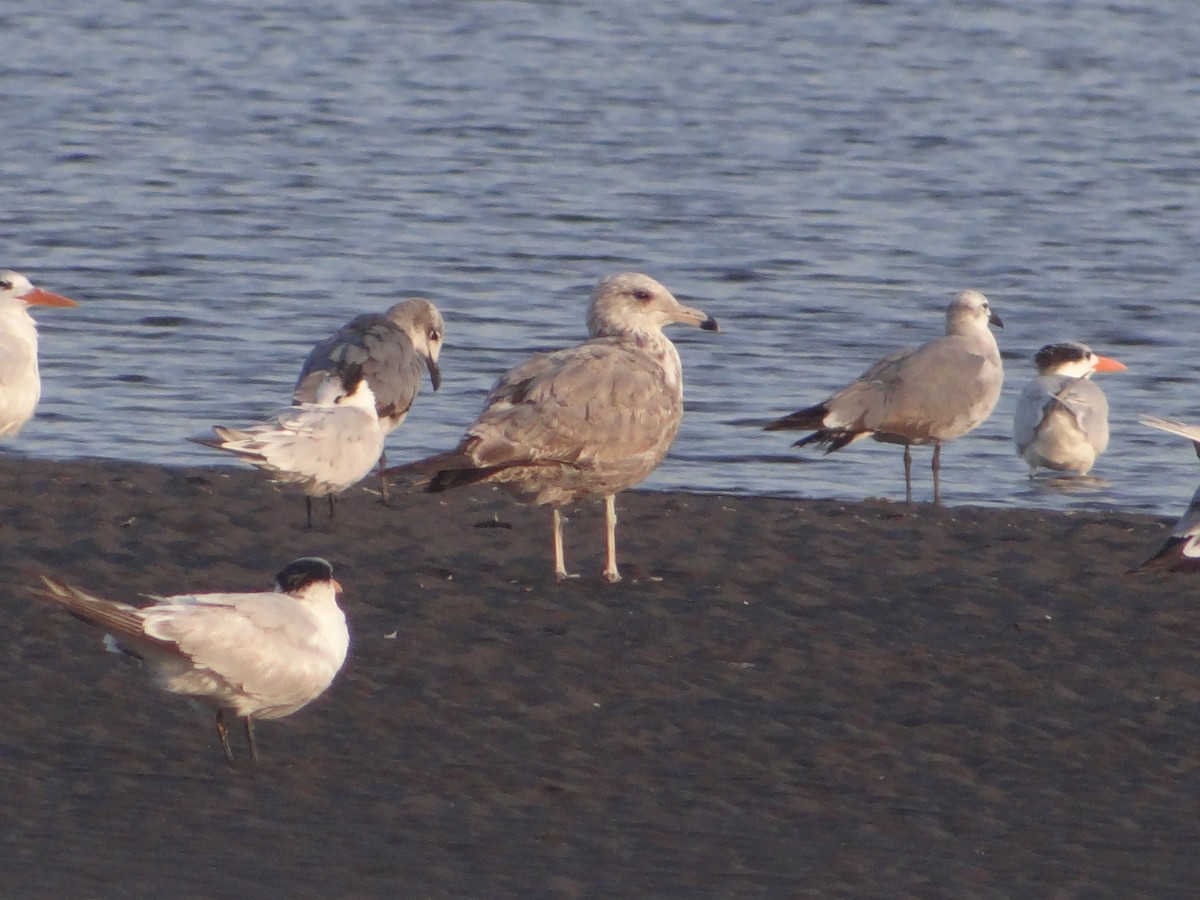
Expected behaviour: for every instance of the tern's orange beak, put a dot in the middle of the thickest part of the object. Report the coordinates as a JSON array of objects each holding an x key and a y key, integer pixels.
[
  {"x": 39, "y": 297},
  {"x": 1104, "y": 364},
  {"x": 337, "y": 588}
]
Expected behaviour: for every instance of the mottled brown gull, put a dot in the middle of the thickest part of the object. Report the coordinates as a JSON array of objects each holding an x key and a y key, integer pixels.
[
  {"x": 587, "y": 421},
  {"x": 917, "y": 395},
  {"x": 391, "y": 348}
]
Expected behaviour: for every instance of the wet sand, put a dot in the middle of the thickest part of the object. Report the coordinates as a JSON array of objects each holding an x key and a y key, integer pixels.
[{"x": 783, "y": 699}]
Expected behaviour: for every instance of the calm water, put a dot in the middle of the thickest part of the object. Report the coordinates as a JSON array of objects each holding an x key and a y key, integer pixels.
[{"x": 220, "y": 184}]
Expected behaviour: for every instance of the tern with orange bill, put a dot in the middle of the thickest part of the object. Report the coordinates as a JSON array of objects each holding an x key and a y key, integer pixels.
[
  {"x": 1061, "y": 420},
  {"x": 20, "y": 382}
]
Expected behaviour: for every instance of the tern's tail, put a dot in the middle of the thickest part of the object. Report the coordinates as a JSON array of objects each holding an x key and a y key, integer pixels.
[{"x": 120, "y": 619}]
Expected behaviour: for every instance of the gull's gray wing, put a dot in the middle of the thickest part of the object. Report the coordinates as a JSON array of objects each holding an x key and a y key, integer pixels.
[
  {"x": 937, "y": 390},
  {"x": 596, "y": 402},
  {"x": 390, "y": 364}
]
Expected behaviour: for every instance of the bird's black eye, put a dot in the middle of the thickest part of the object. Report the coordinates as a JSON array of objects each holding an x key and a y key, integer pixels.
[
  {"x": 642, "y": 294},
  {"x": 6, "y": 285},
  {"x": 434, "y": 335}
]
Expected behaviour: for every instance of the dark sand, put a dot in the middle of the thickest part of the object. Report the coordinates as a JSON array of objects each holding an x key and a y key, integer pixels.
[{"x": 817, "y": 699}]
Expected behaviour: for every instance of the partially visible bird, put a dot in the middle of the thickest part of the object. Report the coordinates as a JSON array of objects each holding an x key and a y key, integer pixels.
[
  {"x": 587, "y": 421},
  {"x": 932, "y": 393},
  {"x": 325, "y": 446},
  {"x": 20, "y": 383},
  {"x": 257, "y": 655},
  {"x": 1181, "y": 551},
  {"x": 1061, "y": 420},
  {"x": 391, "y": 348}
]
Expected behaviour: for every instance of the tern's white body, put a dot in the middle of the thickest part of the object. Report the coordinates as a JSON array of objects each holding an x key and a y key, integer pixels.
[
  {"x": 1061, "y": 419},
  {"x": 20, "y": 381},
  {"x": 324, "y": 447},
  {"x": 259, "y": 655}
]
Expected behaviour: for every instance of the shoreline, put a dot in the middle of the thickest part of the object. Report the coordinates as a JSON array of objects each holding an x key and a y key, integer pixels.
[{"x": 784, "y": 697}]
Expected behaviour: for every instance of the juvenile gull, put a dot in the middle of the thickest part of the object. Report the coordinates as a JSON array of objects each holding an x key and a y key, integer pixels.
[
  {"x": 391, "y": 348},
  {"x": 1061, "y": 420},
  {"x": 257, "y": 655},
  {"x": 917, "y": 395},
  {"x": 325, "y": 446},
  {"x": 587, "y": 421},
  {"x": 20, "y": 383}
]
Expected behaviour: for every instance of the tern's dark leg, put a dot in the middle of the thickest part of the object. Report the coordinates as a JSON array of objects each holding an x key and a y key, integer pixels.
[
  {"x": 383, "y": 484},
  {"x": 331, "y": 507},
  {"x": 250, "y": 739},
  {"x": 223, "y": 734},
  {"x": 937, "y": 469},
  {"x": 308, "y": 509},
  {"x": 907, "y": 474}
]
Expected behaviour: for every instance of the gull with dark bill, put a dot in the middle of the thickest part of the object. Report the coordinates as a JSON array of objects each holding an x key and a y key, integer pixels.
[
  {"x": 257, "y": 655},
  {"x": 1061, "y": 420},
  {"x": 391, "y": 348},
  {"x": 929, "y": 394},
  {"x": 587, "y": 421},
  {"x": 1181, "y": 551},
  {"x": 20, "y": 382},
  {"x": 325, "y": 446}
]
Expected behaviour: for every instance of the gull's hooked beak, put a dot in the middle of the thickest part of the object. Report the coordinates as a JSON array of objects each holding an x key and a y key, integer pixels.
[
  {"x": 435, "y": 372},
  {"x": 697, "y": 318},
  {"x": 994, "y": 319}
]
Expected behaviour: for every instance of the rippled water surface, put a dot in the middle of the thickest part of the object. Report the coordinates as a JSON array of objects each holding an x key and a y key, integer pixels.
[{"x": 220, "y": 184}]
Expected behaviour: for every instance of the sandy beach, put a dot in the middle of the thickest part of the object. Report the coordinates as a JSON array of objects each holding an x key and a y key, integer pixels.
[{"x": 782, "y": 699}]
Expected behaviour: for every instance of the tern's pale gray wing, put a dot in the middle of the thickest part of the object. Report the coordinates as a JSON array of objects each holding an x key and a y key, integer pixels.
[
  {"x": 264, "y": 644},
  {"x": 592, "y": 403},
  {"x": 1035, "y": 400},
  {"x": 1085, "y": 401},
  {"x": 389, "y": 362},
  {"x": 1173, "y": 426}
]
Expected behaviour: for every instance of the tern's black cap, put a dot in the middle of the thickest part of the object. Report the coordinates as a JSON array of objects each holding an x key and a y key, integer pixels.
[{"x": 299, "y": 574}]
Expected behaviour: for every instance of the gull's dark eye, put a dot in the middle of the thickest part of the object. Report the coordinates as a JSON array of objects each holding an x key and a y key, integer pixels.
[
  {"x": 642, "y": 294},
  {"x": 6, "y": 285},
  {"x": 434, "y": 335}
]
